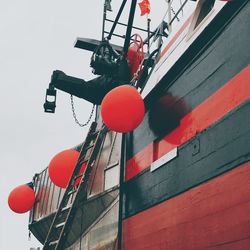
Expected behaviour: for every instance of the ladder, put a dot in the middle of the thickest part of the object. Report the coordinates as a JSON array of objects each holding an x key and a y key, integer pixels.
[{"x": 63, "y": 219}]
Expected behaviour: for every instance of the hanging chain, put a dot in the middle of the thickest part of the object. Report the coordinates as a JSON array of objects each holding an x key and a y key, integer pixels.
[
  {"x": 74, "y": 113},
  {"x": 136, "y": 74}
]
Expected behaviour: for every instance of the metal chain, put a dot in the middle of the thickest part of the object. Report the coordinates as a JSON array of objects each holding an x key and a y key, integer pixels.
[
  {"x": 74, "y": 113},
  {"x": 136, "y": 74}
]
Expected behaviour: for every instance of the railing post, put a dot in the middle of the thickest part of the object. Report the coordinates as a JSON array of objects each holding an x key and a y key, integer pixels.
[{"x": 121, "y": 190}]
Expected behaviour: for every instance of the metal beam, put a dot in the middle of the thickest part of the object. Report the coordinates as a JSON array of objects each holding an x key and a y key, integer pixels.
[
  {"x": 121, "y": 191},
  {"x": 91, "y": 44},
  {"x": 123, "y": 24},
  {"x": 116, "y": 19},
  {"x": 129, "y": 28}
]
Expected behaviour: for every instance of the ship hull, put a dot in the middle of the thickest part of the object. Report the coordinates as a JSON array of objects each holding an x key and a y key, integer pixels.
[
  {"x": 213, "y": 215},
  {"x": 186, "y": 179},
  {"x": 198, "y": 197}
]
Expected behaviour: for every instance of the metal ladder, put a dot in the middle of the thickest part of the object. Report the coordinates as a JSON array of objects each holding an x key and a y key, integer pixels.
[{"x": 63, "y": 219}]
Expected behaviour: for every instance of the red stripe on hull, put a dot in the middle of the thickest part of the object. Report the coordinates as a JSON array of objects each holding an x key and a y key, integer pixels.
[
  {"x": 176, "y": 36},
  {"x": 214, "y": 215},
  {"x": 227, "y": 98}
]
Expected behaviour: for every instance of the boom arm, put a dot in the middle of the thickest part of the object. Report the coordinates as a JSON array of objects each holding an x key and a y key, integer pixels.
[{"x": 93, "y": 90}]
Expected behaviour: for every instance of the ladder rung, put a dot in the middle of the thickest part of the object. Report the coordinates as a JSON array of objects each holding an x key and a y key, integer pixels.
[
  {"x": 90, "y": 146},
  {"x": 83, "y": 161},
  {"x": 78, "y": 176},
  {"x": 95, "y": 133},
  {"x": 72, "y": 191},
  {"x": 53, "y": 243},
  {"x": 65, "y": 208},
  {"x": 60, "y": 225}
]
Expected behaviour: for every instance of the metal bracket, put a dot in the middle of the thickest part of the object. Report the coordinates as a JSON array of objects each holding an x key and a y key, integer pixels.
[{"x": 196, "y": 146}]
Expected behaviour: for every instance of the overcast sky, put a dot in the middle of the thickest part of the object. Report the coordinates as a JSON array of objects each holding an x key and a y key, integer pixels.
[{"x": 37, "y": 37}]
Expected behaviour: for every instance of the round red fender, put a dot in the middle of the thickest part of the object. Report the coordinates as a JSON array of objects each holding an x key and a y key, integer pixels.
[
  {"x": 62, "y": 166},
  {"x": 135, "y": 55},
  {"x": 21, "y": 199},
  {"x": 122, "y": 109}
]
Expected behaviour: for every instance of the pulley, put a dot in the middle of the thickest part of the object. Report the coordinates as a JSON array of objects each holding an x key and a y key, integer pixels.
[{"x": 103, "y": 60}]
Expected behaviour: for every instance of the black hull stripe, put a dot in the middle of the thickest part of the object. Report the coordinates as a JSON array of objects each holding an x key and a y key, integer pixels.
[
  {"x": 214, "y": 215},
  {"x": 223, "y": 146},
  {"x": 223, "y": 59}
]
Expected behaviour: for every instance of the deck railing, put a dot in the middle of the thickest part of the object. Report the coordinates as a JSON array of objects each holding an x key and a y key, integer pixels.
[
  {"x": 48, "y": 196},
  {"x": 106, "y": 168}
]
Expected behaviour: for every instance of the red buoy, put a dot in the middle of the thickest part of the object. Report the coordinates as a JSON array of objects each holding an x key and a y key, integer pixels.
[
  {"x": 21, "y": 199},
  {"x": 62, "y": 166},
  {"x": 122, "y": 109}
]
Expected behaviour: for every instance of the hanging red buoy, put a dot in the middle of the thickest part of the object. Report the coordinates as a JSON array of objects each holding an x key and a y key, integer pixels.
[
  {"x": 62, "y": 166},
  {"x": 21, "y": 199},
  {"x": 122, "y": 109}
]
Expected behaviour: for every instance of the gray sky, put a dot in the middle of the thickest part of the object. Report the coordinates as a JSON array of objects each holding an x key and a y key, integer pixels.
[{"x": 37, "y": 37}]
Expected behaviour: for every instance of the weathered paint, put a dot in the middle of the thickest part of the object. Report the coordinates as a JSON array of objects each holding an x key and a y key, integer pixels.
[
  {"x": 227, "y": 98},
  {"x": 220, "y": 148},
  {"x": 214, "y": 215}
]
